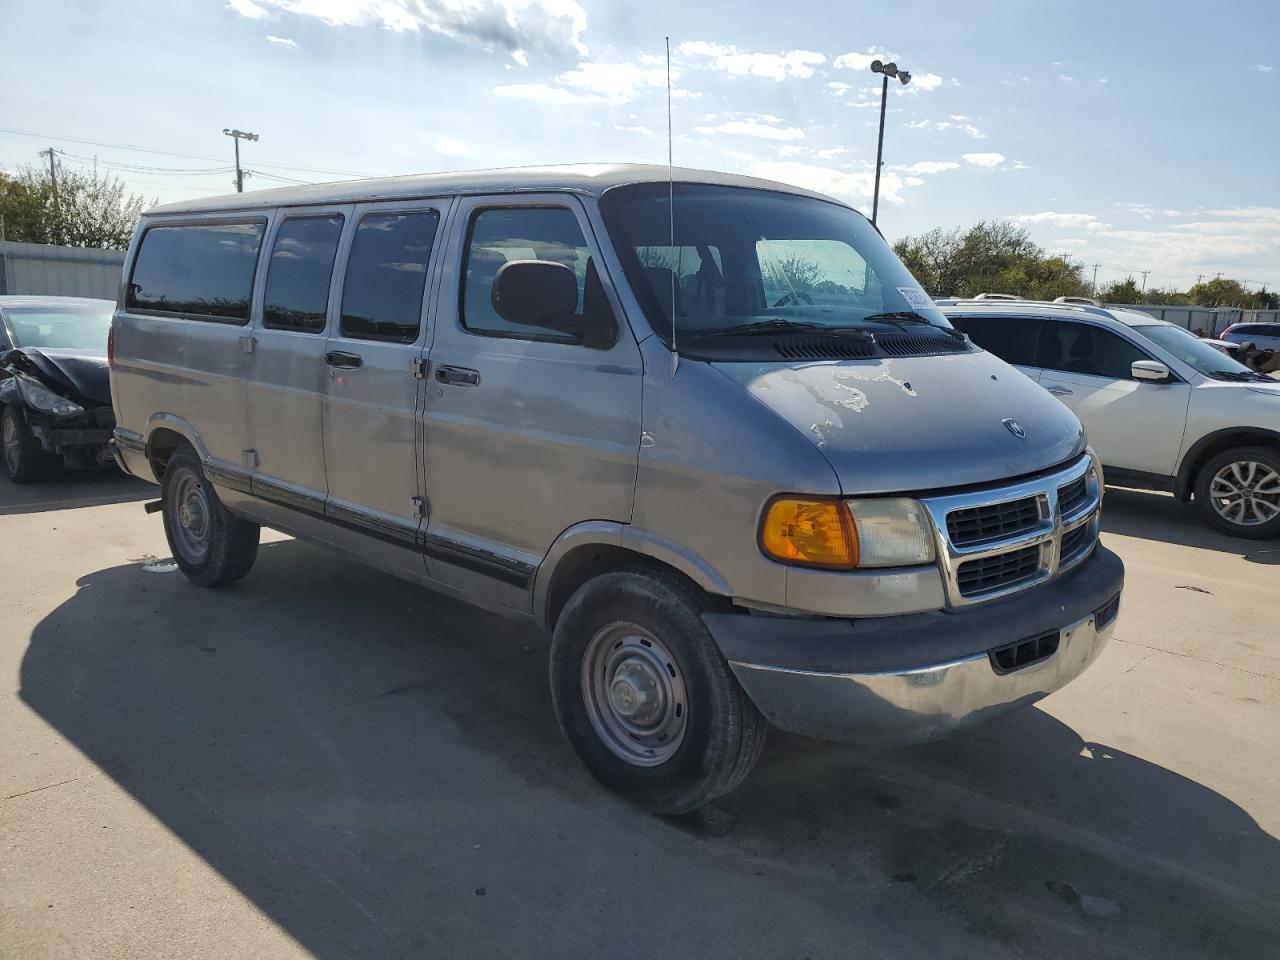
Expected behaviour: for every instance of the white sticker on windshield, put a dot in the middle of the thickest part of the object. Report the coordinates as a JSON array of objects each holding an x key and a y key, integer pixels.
[{"x": 915, "y": 297}]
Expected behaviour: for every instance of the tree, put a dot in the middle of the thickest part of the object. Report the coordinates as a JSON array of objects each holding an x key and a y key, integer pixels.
[
  {"x": 993, "y": 256},
  {"x": 1122, "y": 291},
  {"x": 87, "y": 211},
  {"x": 1219, "y": 292}
]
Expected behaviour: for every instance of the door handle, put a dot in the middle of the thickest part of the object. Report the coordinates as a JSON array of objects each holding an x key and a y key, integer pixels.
[
  {"x": 462, "y": 376},
  {"x": 1060, "y": 391},
  {"x": 347, "y": 361}
]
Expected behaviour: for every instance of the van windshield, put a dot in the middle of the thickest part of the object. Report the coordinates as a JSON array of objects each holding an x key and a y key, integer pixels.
[{"x": 748, "y": 261}]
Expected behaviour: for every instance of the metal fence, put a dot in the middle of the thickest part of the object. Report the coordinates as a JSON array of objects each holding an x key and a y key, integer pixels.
[
  {"x": 59, "y": 271},
  {"x": 1211, "y": 319}
]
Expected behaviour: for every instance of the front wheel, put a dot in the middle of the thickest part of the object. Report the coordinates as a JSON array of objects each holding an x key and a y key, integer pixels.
[
  {"x": 211, "y": 545},
  {"x": 644, "y": 696},
  {"x": 25, "y": 461},
  {"x": 1238, "y": 492}
]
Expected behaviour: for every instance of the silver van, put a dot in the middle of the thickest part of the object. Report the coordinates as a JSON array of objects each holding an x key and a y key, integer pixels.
[{"x": 706, "y": 430}]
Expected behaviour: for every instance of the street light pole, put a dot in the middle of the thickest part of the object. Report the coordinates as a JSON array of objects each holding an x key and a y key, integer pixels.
[
  {"x": 237, "y": 136},
  {"x": 888, "y": 70}
]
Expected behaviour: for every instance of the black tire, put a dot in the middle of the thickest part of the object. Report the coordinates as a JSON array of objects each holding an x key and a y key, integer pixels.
[
  {"x": 1263, "y": 494},
  {"x": 722, "y": 733},
  {"x": 25, "y": 461},
  {"x": 229, "y": 544}
]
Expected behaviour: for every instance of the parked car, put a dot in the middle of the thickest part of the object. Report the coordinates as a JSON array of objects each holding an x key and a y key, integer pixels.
[
  {"x": 1163, "y": 408},
  {"x": 55, "y": 400},
  {"x": 1231, "y": 349},
  {"x": 1264, "y": 336},
  {"x": 749, "y": 475}
]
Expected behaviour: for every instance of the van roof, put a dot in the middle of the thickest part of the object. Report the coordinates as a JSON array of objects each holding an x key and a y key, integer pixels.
[
  {"x": 1022, "y": 308},
  {"x": 587, "y": 179}
]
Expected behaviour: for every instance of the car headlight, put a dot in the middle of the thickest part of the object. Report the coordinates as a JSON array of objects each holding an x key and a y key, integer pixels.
[
  {"x": 40, "y": 398},
  {"x": 847, "y": 534}
]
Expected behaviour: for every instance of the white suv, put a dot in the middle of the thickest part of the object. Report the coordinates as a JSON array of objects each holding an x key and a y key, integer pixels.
[{"x": 1163, "y": 409}]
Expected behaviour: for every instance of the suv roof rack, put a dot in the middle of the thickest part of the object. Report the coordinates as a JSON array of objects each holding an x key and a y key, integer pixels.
[
  {"x": 998, "y": 296},
  {"x": 1079, "y": 301},
  {"x": 1061, "y": 303}
]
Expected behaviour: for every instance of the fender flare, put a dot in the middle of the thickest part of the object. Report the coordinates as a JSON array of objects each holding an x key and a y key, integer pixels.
[{"x": 1185, "y": 479}]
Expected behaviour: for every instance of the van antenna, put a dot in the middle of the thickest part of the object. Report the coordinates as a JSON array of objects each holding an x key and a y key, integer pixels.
[{"x": 671, "y": 218}]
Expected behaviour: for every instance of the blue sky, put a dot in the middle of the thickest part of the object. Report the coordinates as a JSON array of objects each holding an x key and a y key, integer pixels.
[{"x": 1139, "y": 135}]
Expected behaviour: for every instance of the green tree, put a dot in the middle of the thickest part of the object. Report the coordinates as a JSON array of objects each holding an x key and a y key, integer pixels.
[
  {"x": 1219, "y": 292},
  {"x": 87, "y": 210},
  {"x": 1122, "y": 291},
  {"x": 993, "y": 256}
]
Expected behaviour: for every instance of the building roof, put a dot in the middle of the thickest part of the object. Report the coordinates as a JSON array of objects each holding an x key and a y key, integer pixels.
[{"x": 586, "y": 179}]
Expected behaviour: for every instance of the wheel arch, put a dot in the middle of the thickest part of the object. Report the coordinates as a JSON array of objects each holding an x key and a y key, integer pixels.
[
  {"x": 1213, "y": 443},
  {"x": 165, "y": 434}
]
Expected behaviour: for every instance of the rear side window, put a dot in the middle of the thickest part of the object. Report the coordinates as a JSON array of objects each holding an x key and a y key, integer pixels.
[
  {"x": 386, "y": 276},
  {"x": 1012, "y": 339},
  {"x": 299, "y": 272},
  {"x": 201, "y": 270},
  {"x": 1080, "y": 348}
]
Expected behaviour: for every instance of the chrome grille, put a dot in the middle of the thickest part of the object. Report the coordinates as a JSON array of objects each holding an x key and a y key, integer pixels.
[
  {"x": 998, "y": 572},
  {"x": 997, "y": 541},
  {"x": 994, "y": 522}
]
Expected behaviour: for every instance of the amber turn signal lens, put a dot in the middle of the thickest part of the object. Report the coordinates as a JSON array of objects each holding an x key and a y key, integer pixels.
[{"x": 819, "y": 533}]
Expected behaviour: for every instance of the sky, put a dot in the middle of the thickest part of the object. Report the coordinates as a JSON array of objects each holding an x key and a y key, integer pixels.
[{"x": 1140, "y": 136}]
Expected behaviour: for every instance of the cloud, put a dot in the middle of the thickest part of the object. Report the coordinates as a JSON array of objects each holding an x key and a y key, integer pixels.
[
  {"x": 609, "y": 83},
  {"x": 551, "y": 27},
  {"x": 636, "y": 128},
  {"x": 955, "y": 123},
  {"x": 839, "y": 88},
  {"x": 520, "y": 57},
  {"x": 830, "y": 153},
  {"x": 924, "y": 81},
  {"x": 1086, "y": 221},
  {"x": 282, "y": 41},
  {"x": 451, "y": 147},
  {"x": 931, "y": 166},
  {"x": 247, "y": 8},
  {"x": 861, "y": 61},
  {"x": 741, "y": 63},
  {"x": 913, "y": 181},
  {"x": 1263, "y": 67},
  {"x": 840, "y": 183},
  {"x": 1064, "y": 77},
  {"x": 754, "y": 128},
  {"x": 988, "y": 160}
]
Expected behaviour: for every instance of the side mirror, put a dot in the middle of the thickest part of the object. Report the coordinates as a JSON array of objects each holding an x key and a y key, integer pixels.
[
  {"x": 536, "y": 293},
  {"x": 1149, "y": 370}
]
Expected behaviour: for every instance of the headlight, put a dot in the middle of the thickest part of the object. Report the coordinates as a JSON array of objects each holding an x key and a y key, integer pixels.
[
  {"x": 847, "y": 534},
  {"x": 1097, "y": 469},
  {"x": 46, "y": 401}
]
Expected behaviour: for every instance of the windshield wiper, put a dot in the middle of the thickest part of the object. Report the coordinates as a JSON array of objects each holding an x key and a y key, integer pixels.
[
  {"x": 1241, "y": 376},
  {"x": 759, "y": 327},
  {"x": 900, "y": 316}
]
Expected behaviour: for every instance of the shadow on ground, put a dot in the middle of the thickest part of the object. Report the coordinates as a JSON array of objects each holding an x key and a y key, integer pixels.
[
  {"x": 73, "y": 488},
  {"x": 378, "y": 770},
  {"x": 1162, "y": 517}
]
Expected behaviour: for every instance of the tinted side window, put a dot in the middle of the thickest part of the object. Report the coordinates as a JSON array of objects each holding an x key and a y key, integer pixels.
[
  {"x": 1012, "y": 339},
  {"x": 528, "y": 233},
  {"x": 386, "y": 275},
  {"x": 1079, "y": 348},
  {"x": 202, "y": 269},
  {"x": 298, "y": 276}
]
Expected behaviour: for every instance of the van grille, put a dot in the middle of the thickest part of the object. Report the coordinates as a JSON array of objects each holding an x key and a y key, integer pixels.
[
  {"x": 976, "y": 577},
  {"x": 919, "y": 344},
  {"x": 825, "y": 348},
  {"x": 974, "y": 525},
  {"x": 1077, "y": 542},
  {"x": 1072, "y": 496}
]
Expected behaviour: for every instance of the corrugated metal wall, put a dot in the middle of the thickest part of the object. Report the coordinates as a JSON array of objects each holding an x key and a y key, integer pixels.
[
  {"x": 61, "y": 271},
  {"x": 1212, "y": 319}
]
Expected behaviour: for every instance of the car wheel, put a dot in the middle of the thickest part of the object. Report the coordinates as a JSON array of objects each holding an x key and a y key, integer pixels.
[
  {"x": 211, "y": 545},
  {"x": 644, "y": 696},
  {"x": 25, "y": 461},
  {"x": 1238, "y": 492}
]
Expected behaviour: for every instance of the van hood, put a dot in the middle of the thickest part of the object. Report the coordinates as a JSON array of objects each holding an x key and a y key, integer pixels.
[{"x": 919, "y": 423}]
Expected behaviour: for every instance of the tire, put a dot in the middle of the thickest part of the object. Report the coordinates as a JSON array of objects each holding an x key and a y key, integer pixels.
[
  {"x": 211, "y": 545},
  {"x": 1241, "y": 482},
  {"x": 634, "y": 639},
  {"x": 25, "y": 461}
]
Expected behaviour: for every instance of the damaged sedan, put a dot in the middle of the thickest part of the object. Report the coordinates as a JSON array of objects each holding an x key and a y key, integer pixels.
[{"x": 55, "y": 395}]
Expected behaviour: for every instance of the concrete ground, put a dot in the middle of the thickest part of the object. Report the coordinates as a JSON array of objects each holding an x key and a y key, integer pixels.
[{"x": 327, "y": 762}]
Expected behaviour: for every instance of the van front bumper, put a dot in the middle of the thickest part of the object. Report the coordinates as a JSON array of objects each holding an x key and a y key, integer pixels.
[{"x": 891, "y": 681}]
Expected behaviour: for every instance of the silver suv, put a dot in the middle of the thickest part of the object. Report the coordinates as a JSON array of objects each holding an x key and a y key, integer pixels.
[
  {"x": 1164, "y": 409},
  {"x": 708, "y": 431}
]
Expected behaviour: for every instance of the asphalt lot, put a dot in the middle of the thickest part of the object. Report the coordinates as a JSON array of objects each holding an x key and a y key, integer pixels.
[{"x": 327, "y": 762}]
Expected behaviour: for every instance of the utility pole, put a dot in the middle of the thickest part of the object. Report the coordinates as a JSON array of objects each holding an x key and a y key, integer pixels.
[
  {"x": 1144, "y": 279},
  {"x": 54, "y": 235},
  {"x": 237, "y": 136},
  {"x": 1095, "y": 280},
  {"x": 888, "y": 70}
]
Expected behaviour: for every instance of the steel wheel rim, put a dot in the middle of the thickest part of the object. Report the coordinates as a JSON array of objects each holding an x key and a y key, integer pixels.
[
  {"x": 191, "y": 522},
  {"x": 12, "y": 444},
  {"x": 635, "y": 694},
  {"x": 1246, "y": 493}
]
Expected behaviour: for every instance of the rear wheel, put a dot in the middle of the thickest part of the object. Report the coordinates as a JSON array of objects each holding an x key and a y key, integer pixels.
[
  {"x": 644, "y": 696},
  {"x": 1238, "y": 492},
  {"x": 210, "y": 544},
  {"x": 25, "y": 461}
]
